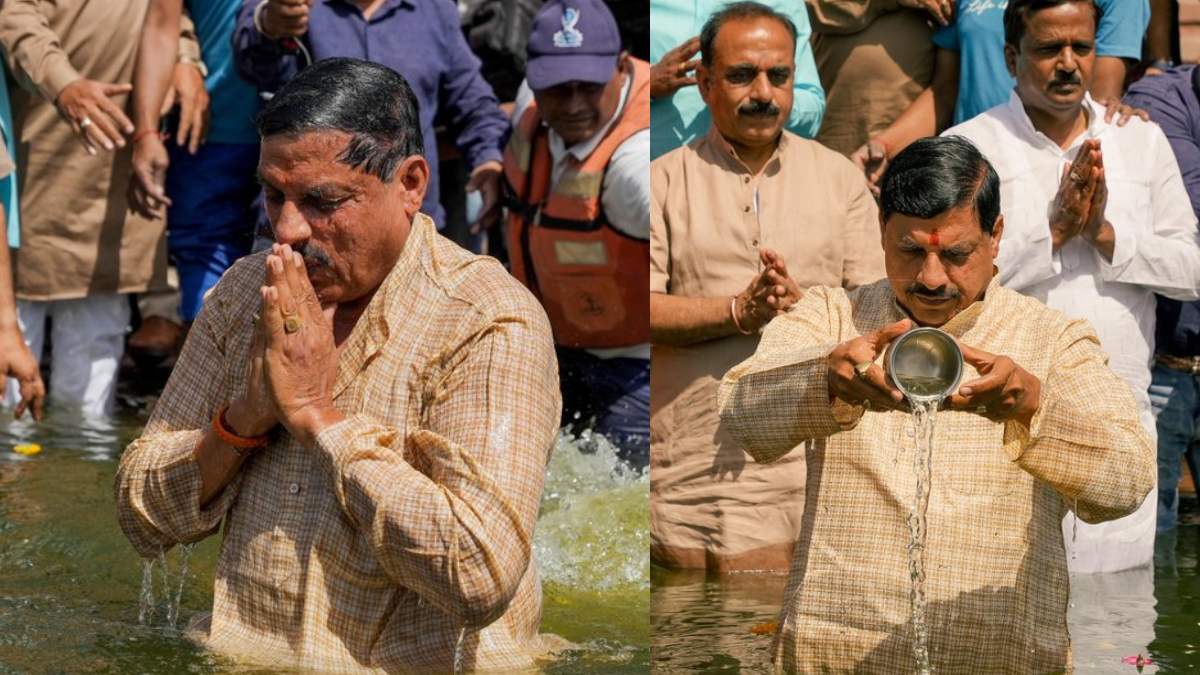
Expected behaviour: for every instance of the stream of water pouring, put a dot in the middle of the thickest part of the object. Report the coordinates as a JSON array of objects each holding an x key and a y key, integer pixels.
[
  {"x": 147, "y": 602},
  {"x": 924, "y": 420}
]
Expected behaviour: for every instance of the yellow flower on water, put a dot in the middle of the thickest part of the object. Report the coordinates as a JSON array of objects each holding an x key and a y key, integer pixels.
[{"x": 27, "y": 449}]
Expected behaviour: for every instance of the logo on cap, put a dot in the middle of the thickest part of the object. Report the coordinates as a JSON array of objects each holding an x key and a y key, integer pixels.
[{"x": 569, "y": 37}]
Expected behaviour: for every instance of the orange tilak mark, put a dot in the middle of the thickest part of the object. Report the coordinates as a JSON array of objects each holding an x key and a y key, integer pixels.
[{"x": 933, "y": 239}]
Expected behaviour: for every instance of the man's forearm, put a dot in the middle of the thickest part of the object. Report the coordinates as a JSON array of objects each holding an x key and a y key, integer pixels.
[
  {"x": 1108, "y": 82},
  {"x": 156, "y": 61},
  {"x": 676, "y": 320},
  {"x": 218, "y": 461}
]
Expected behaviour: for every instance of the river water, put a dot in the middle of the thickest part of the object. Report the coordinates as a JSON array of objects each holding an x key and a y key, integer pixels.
[
  {"x": 707, "y": 624},
  {"x": 70, "y": 583}
]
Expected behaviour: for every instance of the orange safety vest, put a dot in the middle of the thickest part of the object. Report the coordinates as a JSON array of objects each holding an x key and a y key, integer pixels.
[{"x": 592, "y": 279}]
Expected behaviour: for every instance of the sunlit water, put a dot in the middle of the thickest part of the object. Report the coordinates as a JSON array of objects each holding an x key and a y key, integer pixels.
[
  {"x": 924, "y": 413},
  {"x": 72, "y": 589},
  {"x": 707, "y": 624}
]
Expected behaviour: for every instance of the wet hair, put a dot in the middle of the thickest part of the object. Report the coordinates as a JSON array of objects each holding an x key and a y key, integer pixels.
[
  {"x": 1017, "y": 14},
  {"x": 372, "y": 103},
  {"x": 734, "y": 11},
  {"x": 939, "y": 174}
]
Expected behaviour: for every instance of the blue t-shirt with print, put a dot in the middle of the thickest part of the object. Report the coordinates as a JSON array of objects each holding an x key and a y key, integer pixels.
[
  {"x": 978, "y": 36},
  {"x": 234, "y": 101}
]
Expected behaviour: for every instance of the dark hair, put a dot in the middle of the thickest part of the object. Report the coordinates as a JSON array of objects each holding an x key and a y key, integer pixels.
[
  {"x": 1018, "y": 12},
  {"x": 935, "y": 175},
  {"x": 739, "y": 10},
  {"x": 372, "y": 103}
]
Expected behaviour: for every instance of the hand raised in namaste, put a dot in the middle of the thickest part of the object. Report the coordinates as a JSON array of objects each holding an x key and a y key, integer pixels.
[{"x": 300, "y": 359}]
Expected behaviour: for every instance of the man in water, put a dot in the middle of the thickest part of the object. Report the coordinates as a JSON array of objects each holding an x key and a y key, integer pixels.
[
  {"x": 1039, "y": 423},
  {"x": 368, "y": 407},
  {"x": 1098, "y": 221}
]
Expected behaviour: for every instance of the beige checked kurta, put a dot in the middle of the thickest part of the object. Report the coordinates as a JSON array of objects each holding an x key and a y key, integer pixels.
[
  {"x": 710, "y": 505},
  {"x": 405, "y": 535},
  {"x": 995, "y": 564}
]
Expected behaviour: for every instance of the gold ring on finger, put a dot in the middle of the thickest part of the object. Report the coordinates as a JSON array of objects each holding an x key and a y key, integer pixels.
[
  {"x": 291, "y": 323},
  {"x": 861, "y": 368},
  {"x": 866, "y": 404},
  {"x": 981, "y": 409}
]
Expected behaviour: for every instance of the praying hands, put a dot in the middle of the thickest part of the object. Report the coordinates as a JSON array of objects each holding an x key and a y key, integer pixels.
[
  {"x": 1079, "y": 206},
  {"x": 294, "y": 361}
]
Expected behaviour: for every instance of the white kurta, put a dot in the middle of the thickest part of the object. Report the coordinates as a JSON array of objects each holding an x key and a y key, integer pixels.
[{"x": 1157, "y": 251}]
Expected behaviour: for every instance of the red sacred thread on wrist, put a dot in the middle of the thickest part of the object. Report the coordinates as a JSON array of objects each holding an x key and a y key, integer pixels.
[
  {"x": 231, "y": 438},
  {"x": 142, "y": 134}
]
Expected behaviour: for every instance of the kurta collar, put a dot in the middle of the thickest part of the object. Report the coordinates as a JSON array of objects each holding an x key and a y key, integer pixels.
[
  {"x": 1095, "y": 114},
  {"x": 734, "y": 163},
  {"x": 396, "y": 297},
  {"x": 964, "y": 321}
]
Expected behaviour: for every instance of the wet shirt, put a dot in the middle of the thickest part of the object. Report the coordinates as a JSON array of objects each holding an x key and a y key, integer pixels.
[
  {"x": 708, "y": 219},
  {"x": 996, "y": 572},
  {"x": 1173, "y": 101},
  {"x": 977, "y": 34},
  {"x": 402, "y": 539},
  {"x": 421, "y": 40},
  {"x": 683, "y": 117}
]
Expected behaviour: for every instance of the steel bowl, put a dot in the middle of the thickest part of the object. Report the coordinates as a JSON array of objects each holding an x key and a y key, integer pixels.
[{"x": 925, "y": 364}]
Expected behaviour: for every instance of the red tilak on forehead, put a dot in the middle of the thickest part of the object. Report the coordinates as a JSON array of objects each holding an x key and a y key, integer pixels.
[{"x": 933, "y": 239}]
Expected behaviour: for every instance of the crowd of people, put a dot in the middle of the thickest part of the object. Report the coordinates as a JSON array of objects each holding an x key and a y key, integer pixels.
[
  {"x": 365, "y": 402},
  {"x": 132, "y": 127},
  {"x": 1022, "y": 175}
]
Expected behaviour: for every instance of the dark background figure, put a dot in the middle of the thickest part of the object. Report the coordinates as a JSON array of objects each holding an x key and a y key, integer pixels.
[
  {"x": 420, "y": 39},
  {"x": 577, "y": 166},
  {"x": 1173, "y": 101}
]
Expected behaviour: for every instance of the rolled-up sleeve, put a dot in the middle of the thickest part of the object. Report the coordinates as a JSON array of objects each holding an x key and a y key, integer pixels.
[
  {"x": 158, "y": 481},
  {"x": 779, "y": 398},
  {"x": 1086, "y": 440},
  {"x": 449, "y": 508}
]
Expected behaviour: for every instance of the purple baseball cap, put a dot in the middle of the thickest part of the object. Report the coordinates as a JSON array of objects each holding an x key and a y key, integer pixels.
[{"x": 572, "y": 40}]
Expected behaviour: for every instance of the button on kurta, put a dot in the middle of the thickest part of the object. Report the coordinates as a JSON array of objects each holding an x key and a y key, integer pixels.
[{"x": 294, "y": 488}]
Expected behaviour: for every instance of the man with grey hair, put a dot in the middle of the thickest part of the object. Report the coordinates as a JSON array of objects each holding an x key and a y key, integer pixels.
[{"x": 368, "y": 407}]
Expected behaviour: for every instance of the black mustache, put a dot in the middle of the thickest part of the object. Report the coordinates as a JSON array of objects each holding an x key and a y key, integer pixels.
[
  {"x": 942, "y": 293},
  {"x": 1070, "y": 79},
  {"x": 758, "y": 109},
  {"x": 313, "y": 254}
]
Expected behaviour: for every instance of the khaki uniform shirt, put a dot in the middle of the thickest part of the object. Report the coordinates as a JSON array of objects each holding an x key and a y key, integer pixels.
[
  {"x": 709, "y": 217},
  {"x": 996, "y": 572},
  {"x": 77, "y": 235},
  {"x": 401, "y": 540}
]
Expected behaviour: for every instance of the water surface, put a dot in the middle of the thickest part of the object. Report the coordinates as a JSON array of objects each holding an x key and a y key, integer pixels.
[{"x": 69, "y": 581}]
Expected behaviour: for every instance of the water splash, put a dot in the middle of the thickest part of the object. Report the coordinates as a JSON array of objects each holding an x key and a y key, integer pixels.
[
  {"x": 146, "y": 597},
  {"x": 594, "y": 529},
  {"x": 148, "y": 601},
  {"x": 458, "y": 651},
  {"x": 924, "y": 420}
]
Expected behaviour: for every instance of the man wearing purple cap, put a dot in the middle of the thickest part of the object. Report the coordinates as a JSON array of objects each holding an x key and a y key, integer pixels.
[{"x": 578, "y": 233}]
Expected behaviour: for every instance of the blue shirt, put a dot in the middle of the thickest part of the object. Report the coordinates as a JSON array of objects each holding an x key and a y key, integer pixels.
[
  {"x": 678, "y": 119},
  {"x": 1171, "y": 99},
  {"x": 977, "y": 34},
  {"x": 233, "y": 100},
  {"x": 9, "y": 195},
  {"x": 421, "y": 40}
]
